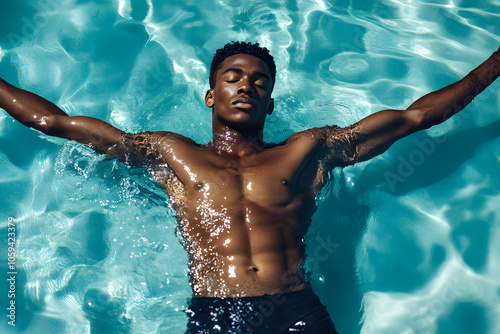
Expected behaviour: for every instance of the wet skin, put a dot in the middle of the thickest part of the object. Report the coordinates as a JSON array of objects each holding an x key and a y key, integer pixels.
[
  {"x": 243, "y": 206},
  {"x": 240, "y": 216}
]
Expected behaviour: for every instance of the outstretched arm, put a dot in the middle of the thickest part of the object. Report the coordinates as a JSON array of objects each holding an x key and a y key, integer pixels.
[
  {"x": 40, "y": 114},
  {"x": 376, "y": 133}
]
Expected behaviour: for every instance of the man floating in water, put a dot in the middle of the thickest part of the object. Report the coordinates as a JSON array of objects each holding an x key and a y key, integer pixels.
[{"x": 243, "y": 205}]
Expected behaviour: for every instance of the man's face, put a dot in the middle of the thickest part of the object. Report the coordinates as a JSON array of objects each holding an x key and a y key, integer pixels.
[{"x": 241, "y": 97}]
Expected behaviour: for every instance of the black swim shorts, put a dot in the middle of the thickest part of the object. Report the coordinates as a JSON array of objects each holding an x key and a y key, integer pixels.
[{"x": 300, "y": 311}]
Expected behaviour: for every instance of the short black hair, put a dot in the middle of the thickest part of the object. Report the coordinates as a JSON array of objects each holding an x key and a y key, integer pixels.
[{"x": 233, "y": 48}]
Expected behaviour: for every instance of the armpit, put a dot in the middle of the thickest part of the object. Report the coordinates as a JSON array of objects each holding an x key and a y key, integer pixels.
[
  {"x": 173, "y": 186},
  {"x": 341, "y": 144},
  {"x": 144, "y": 148}
]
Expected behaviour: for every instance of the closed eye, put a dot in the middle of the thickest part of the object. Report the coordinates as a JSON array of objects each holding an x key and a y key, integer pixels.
[{"x": 261, "y": 84}]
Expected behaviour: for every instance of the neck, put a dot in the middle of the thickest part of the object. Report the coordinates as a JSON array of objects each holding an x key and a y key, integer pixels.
[{"x": 242, "y": 143}]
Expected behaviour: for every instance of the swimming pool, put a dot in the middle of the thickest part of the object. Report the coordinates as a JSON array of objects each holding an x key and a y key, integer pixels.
[{"x": 412, "y": 236}]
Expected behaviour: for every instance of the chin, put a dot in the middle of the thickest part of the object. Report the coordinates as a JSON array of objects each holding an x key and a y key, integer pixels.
[{"x": 240, "y": 122}]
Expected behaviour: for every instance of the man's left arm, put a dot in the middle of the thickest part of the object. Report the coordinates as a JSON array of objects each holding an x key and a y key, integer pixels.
[{"x": 376, "y": 133}]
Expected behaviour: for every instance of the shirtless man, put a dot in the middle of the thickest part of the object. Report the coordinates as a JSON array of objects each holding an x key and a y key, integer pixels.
[{"x": 244, "y": 205}]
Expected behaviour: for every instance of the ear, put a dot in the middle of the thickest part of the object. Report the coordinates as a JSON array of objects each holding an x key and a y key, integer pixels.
[
  {"x": 209, "y": 98},
  {"x": 271, "y": 107}
]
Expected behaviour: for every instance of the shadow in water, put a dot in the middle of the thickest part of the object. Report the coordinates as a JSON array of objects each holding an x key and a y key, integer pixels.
[
  {"x": 465, "y": 318},
  {"x": 338, "y": 223},
  {"x": 421, "y": 160},
  {"x": 106, "y": 314},
  {"x": 342, "y": 217}
]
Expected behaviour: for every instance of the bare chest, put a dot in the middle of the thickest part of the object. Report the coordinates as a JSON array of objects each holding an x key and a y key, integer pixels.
[
  {"x": 267, "y": 185},
  {"x": 272, "y": 179}
]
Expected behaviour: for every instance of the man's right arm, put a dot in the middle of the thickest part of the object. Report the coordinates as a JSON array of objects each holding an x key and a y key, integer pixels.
[
  {"x": 374, "y": 134},
  {"x": 42, "y": 115}
]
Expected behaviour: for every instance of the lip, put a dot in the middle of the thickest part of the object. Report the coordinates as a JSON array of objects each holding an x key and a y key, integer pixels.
[{"x": 244, "y": 102}]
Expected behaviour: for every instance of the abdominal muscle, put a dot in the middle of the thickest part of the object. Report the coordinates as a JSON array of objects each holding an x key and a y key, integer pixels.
[{"x": 246, "y": 251}]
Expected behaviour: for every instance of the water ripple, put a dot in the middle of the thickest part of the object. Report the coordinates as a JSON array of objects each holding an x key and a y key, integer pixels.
[{"x": 90, "y": 230}]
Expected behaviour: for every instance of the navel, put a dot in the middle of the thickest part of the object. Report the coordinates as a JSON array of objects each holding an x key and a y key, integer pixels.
[
  {"x": 198, "y": 185},
  {"x": 254, "y": 269},
  {"x": 284, "y": 181}
]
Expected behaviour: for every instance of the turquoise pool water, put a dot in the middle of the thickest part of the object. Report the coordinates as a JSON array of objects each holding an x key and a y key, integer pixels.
[{"x": 408, "y": 242}]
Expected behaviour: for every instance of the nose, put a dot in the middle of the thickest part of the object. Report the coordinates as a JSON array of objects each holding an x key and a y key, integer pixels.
[{"x": 245, "y": 87}]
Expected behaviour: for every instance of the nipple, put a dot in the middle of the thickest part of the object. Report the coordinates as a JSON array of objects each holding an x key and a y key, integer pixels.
[{"x": 198, "y": 185}]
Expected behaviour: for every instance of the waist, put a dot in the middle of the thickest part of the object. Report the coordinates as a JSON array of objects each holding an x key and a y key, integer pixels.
[
  {"x": 302, "y": 291},
  {"x": 237, "y": 276},
  {"x": 245, "y": 282}
]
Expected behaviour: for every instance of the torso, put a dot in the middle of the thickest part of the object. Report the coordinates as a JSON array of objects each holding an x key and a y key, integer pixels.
[{"x": 242, "y": 219}]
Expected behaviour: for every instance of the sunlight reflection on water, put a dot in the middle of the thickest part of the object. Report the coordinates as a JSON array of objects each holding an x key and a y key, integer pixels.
[{"x": 95, "y": 239}]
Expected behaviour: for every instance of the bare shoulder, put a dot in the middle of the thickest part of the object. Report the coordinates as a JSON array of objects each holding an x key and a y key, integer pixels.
[
  {"x": 335, "y": 145},
  {"x": 152, "y": 146},
  {"x": 325, "y": 134}
]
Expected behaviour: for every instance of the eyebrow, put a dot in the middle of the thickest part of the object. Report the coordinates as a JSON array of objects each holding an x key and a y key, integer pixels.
[{"x": 239, "y": 70}]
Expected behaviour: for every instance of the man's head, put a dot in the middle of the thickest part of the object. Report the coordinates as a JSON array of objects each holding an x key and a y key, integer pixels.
[
  {"x": 242, "y": 79},
  {"x": 231, "y": 49}
]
